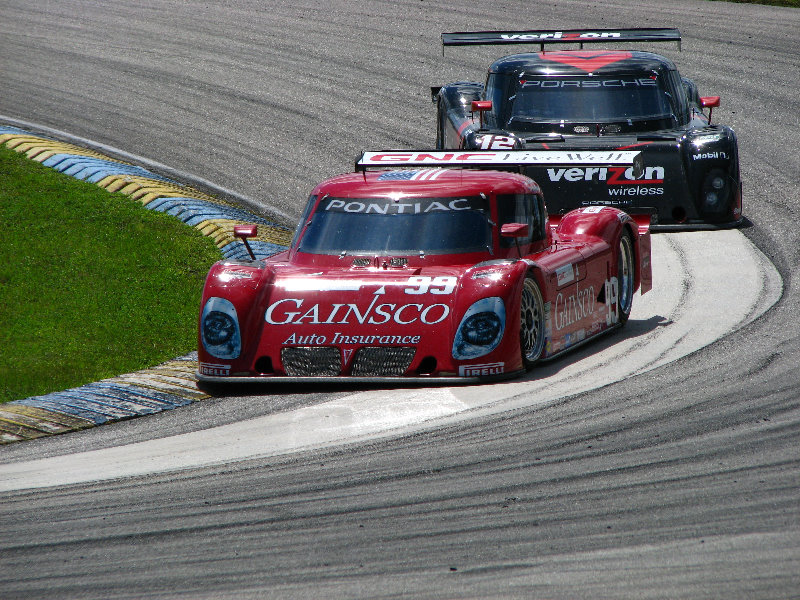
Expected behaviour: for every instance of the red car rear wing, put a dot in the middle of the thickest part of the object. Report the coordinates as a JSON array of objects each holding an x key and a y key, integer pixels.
[{"x": 562, "y": 36}]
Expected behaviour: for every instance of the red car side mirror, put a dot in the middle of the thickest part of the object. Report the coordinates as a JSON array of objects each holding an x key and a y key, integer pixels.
[
  {"x": 244, "y": 232},
  {"x": 709, "y": 102},
  {"x": 514, "y": 230},
  {"x": 480, "y": 107}
]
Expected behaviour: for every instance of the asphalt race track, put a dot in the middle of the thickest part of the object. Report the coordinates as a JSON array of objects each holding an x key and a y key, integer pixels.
[{"x": 681, "y": 481}]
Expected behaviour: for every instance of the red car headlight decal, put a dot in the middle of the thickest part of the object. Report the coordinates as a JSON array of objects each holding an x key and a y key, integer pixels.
[
  {"x": 481, "y": 329},
  {"x": 219, "y": 329}
]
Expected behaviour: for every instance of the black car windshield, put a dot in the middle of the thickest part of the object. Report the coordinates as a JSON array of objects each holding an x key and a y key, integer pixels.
[
  {"x": 404, "y": 226},
  {"x": 588, "y": 99}
]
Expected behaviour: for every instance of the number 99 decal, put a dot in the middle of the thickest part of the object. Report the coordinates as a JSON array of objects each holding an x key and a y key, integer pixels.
[{"x": 436, "y": 285}]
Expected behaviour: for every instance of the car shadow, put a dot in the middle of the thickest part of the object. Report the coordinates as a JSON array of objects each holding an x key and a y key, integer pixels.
[{"x": 633, "y": 329}]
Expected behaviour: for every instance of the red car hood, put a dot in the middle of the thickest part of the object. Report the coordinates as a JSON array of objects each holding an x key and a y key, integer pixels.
[{"x": 370, "y": 301}]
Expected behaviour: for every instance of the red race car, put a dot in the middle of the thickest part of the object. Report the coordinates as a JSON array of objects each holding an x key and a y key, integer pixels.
[{"x": 409, "y": 270}]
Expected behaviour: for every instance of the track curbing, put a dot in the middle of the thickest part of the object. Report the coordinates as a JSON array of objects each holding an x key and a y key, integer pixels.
[{"x": 165, "y": 386}]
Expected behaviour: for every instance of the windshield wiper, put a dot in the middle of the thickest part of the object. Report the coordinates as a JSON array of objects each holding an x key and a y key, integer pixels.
[{"x": 543, "y": 138}]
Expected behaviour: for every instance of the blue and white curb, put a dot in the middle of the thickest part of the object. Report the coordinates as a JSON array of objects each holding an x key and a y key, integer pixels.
[{"x": 165, "y": 386}]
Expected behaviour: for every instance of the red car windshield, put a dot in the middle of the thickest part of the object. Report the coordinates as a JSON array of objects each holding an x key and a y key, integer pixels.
[{"x": 404, "y": 226}]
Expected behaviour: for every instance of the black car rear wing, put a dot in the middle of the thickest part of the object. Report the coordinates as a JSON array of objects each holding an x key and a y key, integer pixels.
[
  {"x": 499, "y": 159},
  {"x": 561, "y": 36}
]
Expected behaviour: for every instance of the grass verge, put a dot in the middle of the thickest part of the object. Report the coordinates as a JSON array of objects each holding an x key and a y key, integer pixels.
[{"x": 92, "y": 284}]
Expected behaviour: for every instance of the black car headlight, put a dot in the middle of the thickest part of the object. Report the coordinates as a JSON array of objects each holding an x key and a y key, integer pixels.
[
  {"x": 481, "y": 329},
  {"x": 219, "y": 329},
  {"x": 716, "y": 191}
]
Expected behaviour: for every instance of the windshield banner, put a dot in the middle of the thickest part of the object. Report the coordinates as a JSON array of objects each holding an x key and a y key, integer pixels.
[
  {"x": 407, "y": 206},
  {"x": 469, "y": 158}
]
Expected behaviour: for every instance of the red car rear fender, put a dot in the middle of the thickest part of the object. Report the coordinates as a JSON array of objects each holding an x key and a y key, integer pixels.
[{"x": 607, "y": 223}]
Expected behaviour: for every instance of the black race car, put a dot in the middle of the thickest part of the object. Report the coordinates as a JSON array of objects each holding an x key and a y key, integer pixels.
[{"x": 581, "y": 100}]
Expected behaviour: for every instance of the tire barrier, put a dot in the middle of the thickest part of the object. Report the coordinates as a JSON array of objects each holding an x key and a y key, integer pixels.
[{"x": 162, "y": 387}]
